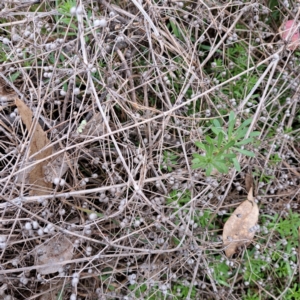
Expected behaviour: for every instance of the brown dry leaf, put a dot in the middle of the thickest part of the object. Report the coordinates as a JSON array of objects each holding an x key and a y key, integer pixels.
[
  {"x": 249, "y": 182},
  {"x": 56, "y": 250},
  {"x": 6, "y": 91},
  {"x": 94, "y": 127},
  {"x": 39, "y": 140},
  {"x": 239, "y": 229},
  {"x": 57, "y": 167}
]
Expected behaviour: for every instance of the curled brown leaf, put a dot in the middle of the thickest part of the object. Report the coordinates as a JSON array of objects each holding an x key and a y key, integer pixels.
[
  {"x": 239, "y": 229},
  {"x": 38, "y": 144}
]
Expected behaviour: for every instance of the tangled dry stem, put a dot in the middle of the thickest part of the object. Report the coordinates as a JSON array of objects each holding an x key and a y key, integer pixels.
[{"x": 144, "y": 93}]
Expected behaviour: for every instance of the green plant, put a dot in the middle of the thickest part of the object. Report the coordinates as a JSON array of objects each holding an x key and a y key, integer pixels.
[
  {"x": 221, "y": 271},
  {"x": 3, "y": 56},
  {"x": 263, "y": 177},
  {"x": 256, "y": 268},
  {"x": 60, "y": 295},
  {"x": 170, "y": 160},
  {"x": 175, "y": 29},
  {"x": 288, "y": 227},
  {"x": 220, "y": 152},
  {"x": 64, "y": 7},
  {"x": 178, "y": 291},
  {"x": 66, "y": 18},
  {"x": 14, "y": 76},
  {"x": 106, "y": 279},
  {"x": 251, "y": 295},
  {"x": 179, "y": 198},
  {"x": 277, "y": 262},
  {"x": 293, "y": 292},
  {"x": 181, "y": 291}
]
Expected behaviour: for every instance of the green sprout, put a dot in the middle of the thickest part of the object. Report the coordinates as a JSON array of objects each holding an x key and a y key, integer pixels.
[{"x": 220, "y": 152}]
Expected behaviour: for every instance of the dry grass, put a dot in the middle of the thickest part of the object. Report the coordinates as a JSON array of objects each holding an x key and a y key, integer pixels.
[{"x": 122, "y": 220}]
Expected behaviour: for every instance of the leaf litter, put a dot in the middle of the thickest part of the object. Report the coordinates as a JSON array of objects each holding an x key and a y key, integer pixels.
[
  {"x": 38, "y": 142},
  {"x": 53, "y": 253},
  {"x": 239, "y": 229}
]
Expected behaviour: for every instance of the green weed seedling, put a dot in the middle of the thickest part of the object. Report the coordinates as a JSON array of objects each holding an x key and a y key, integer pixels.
[
  {"x": 143, "y": 292},
  {"x": 220, "y": 153},
  {"x": 169, "y": 160},
  {"x": 263, "y": 177},
  {"x": 65, "y": 6},
  {"x": 278, "y": 262},
  {"x": 221, "y": 271},
  {"x": 293, "y": 292},
  {"x": 179, "y": 291},
  {"x": 64, "y": 9},
  {"x": 175, "y": 29},
  {"x": 288, "y": 227}
]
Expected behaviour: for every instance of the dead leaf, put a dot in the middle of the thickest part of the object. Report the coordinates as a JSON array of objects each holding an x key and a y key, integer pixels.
[
  {"x": 95, "y": 126},
  {"x": 38, "y": 141},
  {"x": 239, "y": 229},
  {"x": 6, "y": 92},
  {"x": 249, "y": 182},
  {"x": 57, "y": 167},
  {"x": 51, "y": 253}
]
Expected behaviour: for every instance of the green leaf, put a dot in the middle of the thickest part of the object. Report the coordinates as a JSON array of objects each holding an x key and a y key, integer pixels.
[
  {"x": 217, "y": 127},
  {"x": 222, "y": 282},
  {"x": 198, "y": 165},
  {"x": 14, "y": 76},
  {"x": 229, "y": 155},
  {"x": 240, "y": 134},
  {"x": 245, "y": 123},
  {"x": 198, "y": 156},
  {"x": 209, "y": 140},
  {"x": 169, "y": 155},
  {"x": 220, "y": 166},
  {"x": 200, "y": 145},
  {"x": 244, "y": 142},
  {"x": 175, "y": 30},
  {"x": 254, "y": 133},
  {"x": 231, "y": 117},
  {"x": 217, "y": 124},
  {"x": 216, "y": 131},
  {"x": 220, "y": 139},
  {"x": 231, "y": 124},
  {"x": 245, "y": 152},
  {"x": 210, "y": 151},
  {"x": 67, "y": 21},
  {"x": 206, "y": 149},
  {"x": 236, "y": 164},
  {"x": 209, "y": 170},
  {"x": 227, "y": 146}
]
